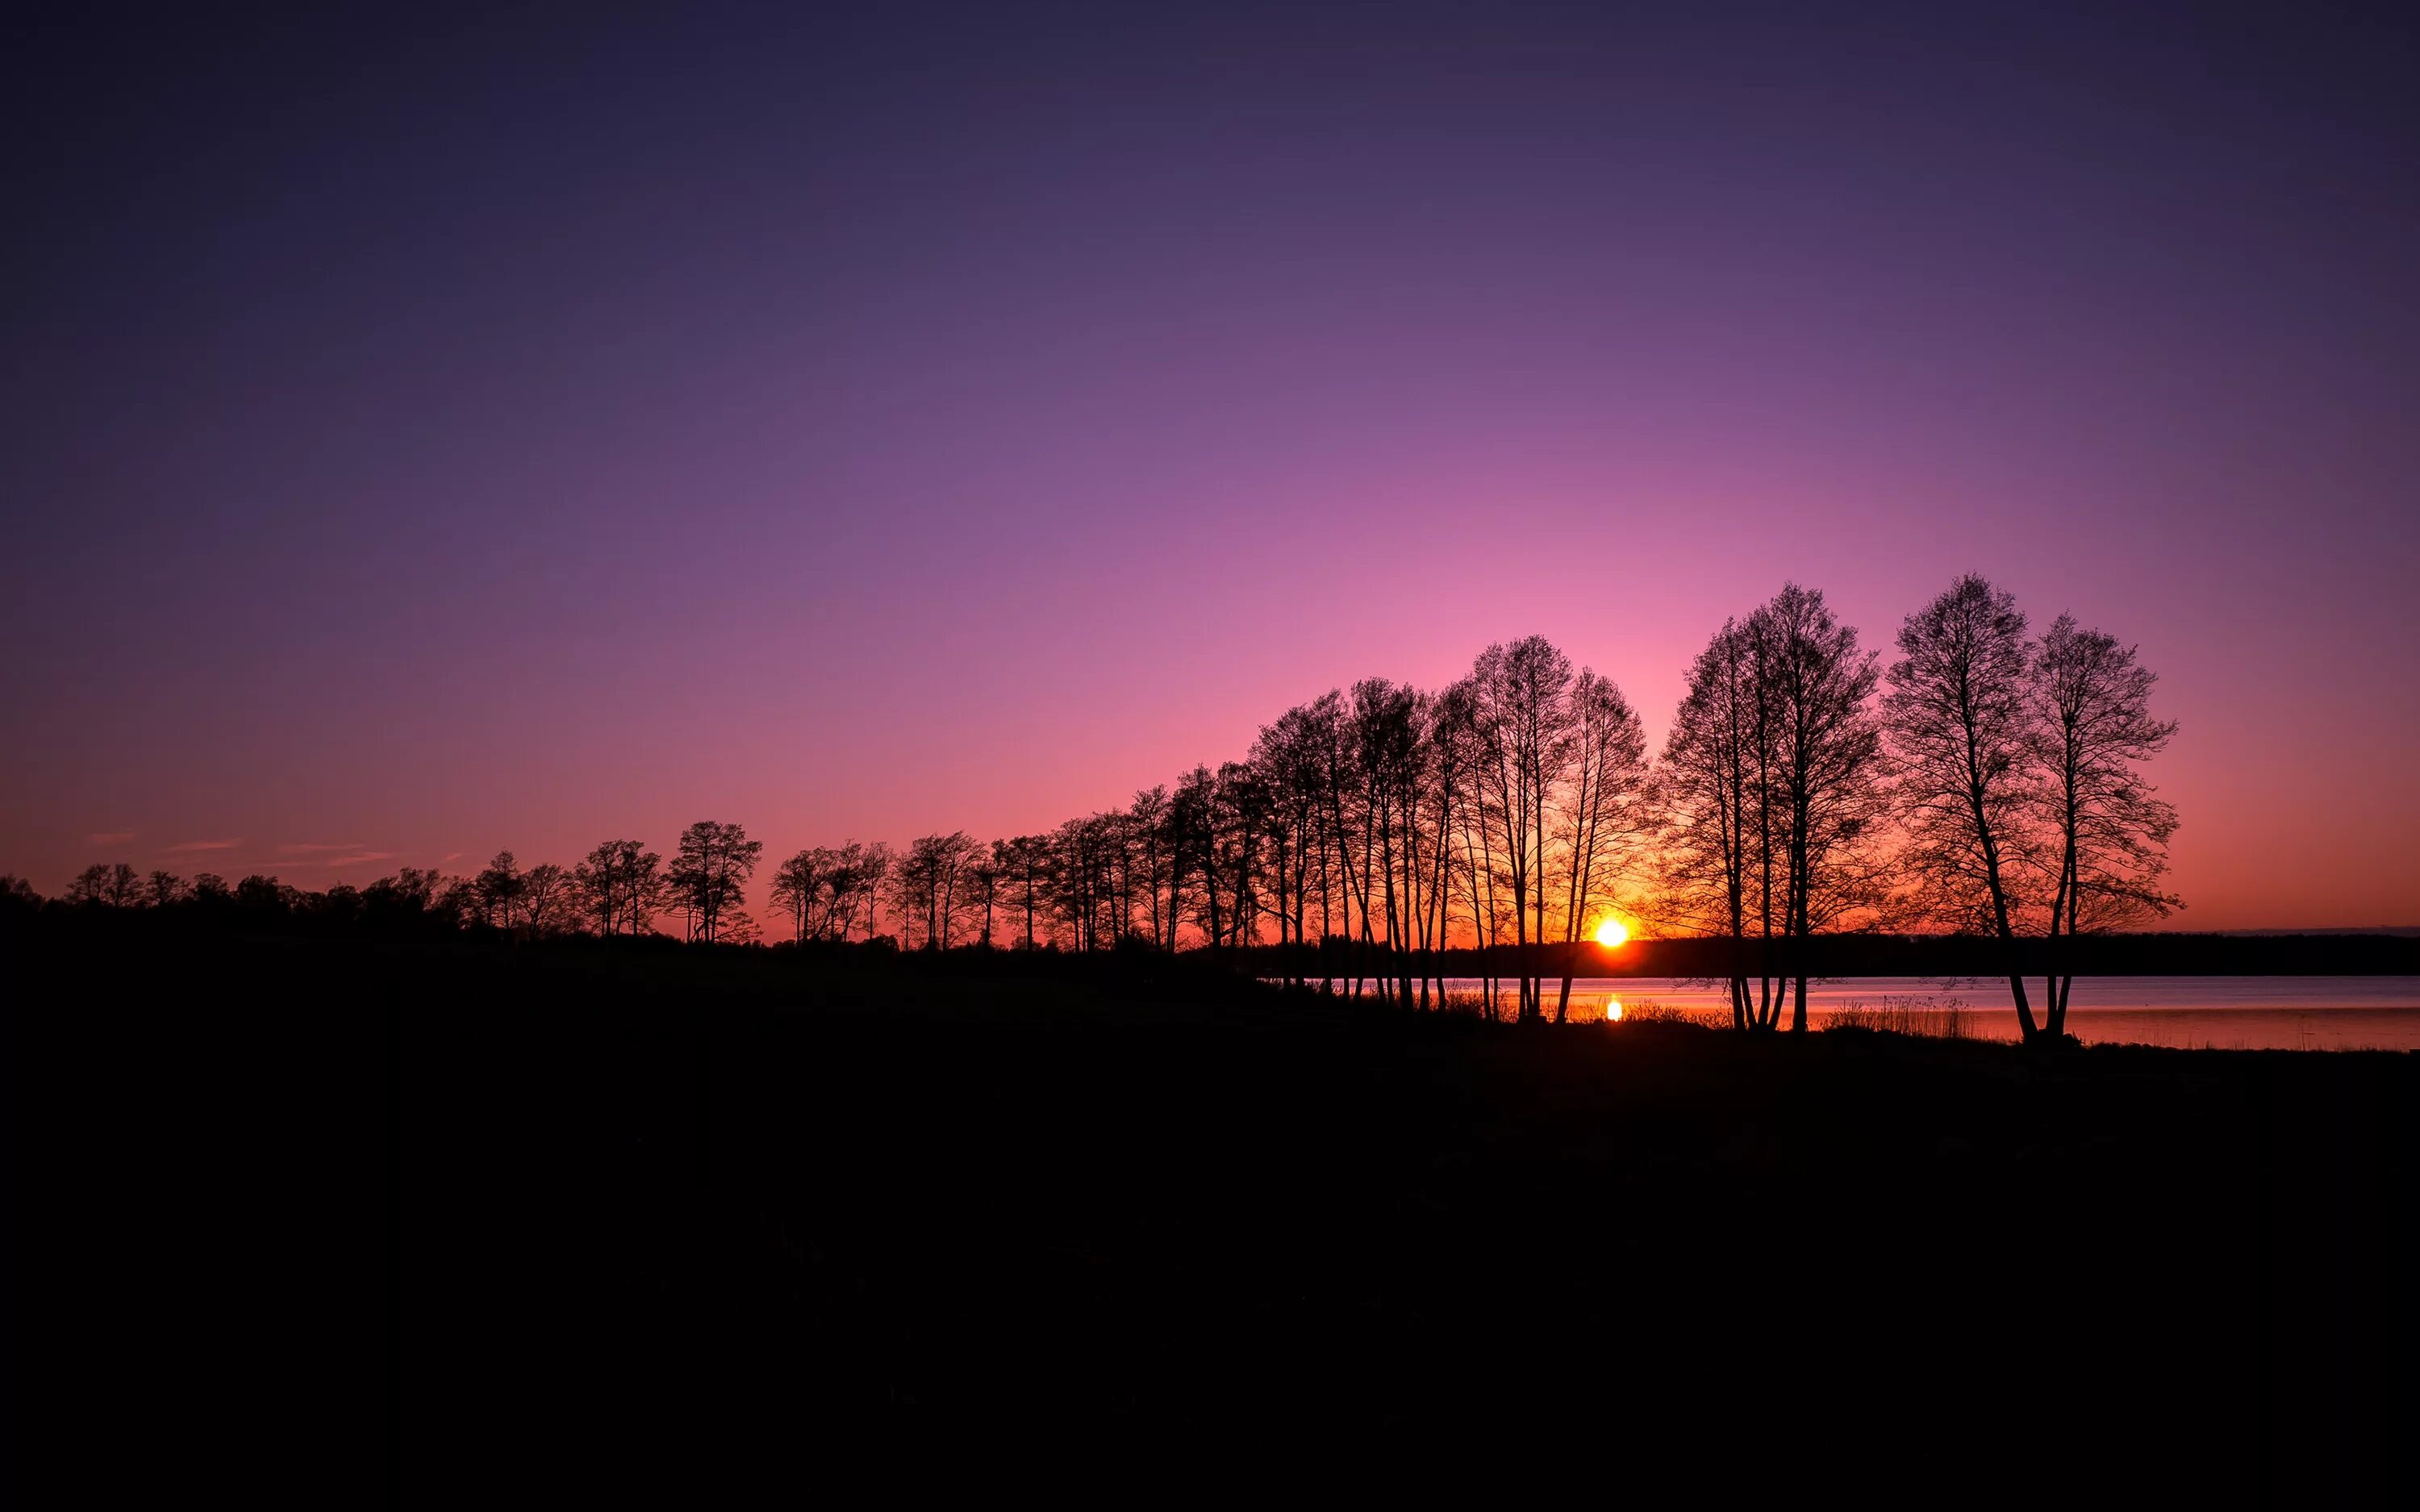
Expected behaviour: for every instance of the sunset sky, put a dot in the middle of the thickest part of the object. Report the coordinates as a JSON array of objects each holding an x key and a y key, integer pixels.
[{"x": 427, "y": 439}]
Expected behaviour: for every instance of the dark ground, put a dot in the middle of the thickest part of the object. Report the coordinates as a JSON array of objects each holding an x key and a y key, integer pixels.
[{"x": 465, "y": 1214}]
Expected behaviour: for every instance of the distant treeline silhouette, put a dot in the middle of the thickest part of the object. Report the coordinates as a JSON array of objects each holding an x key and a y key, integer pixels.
[{"x": 1987, "y": 783}]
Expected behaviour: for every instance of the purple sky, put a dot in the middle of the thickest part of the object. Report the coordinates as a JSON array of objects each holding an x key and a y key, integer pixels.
[{"x": 429, "y": 438}]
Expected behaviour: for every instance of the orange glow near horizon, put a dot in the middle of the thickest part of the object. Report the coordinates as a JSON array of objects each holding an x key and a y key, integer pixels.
[
  {"x": 1611, "y": 933},
  {"x": 1613, "y": 1010}
]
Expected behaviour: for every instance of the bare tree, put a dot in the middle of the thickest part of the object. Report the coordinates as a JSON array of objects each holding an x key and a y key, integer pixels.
[
  {"x": 1825, "y": 766},
  {"x": 845, "y": 881},
  {"x": 709, "y": 873},
  {"x": 2093, "y": 727},
  {"x": 1147, "y": 823},
  {"x": 869, "y": 879},
  {"x": 1382, "y": 723},
  {"x": 1449, "y": 750},
  {"x": 620, "y": 887},
  {"x": 1024, "y": 865},
  {"x": 1286, "y": 755},
  {"x": 107, "y": 885},
  {"x": 549, "y": 901},
  {"x": 1961, "y": 723},
  {"x": 1524, "y": 722},
  {"x": 1192, "y": 846},
  {"x": 1602, "y": 812},
  {"x": 1489, "y": 907},
  {"x": 797, "y": 885},
  {"x": 1705, "y": 791},
  {"x": 834, "y": 886},
  {"x": 1239, "y": 821},
  {"x": 926, "y": 883},
  {"x": 500, "y": 888},
  {"x": 984, "y": 876}
]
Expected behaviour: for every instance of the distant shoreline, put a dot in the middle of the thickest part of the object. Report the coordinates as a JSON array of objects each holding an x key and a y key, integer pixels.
[{"x": 1921, "y": 957}]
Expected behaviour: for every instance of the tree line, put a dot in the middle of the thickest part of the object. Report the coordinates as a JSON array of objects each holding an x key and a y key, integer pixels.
[{"x": 1987, "y": 781}]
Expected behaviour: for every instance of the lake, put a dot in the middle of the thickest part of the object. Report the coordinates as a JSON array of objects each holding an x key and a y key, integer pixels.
[{"x": 2189, "y": 1013}]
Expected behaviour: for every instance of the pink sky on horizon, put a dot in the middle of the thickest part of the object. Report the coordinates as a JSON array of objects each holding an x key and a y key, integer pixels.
[
  {"x": 420, "y": 446},
  {"x": 1006, "y": 748}
]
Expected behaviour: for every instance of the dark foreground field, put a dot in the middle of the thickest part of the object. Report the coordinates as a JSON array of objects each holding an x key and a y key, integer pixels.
[{"x": 458, "y": 1217}]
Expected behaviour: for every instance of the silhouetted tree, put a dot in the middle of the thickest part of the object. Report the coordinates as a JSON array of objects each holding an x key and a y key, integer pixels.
[
  {"x": 1961, "y": 719},
  {"x": 1524, "y": 729},
  {"x": 925, "y": 885},
  {"x": 339, "y": 903},
  {"x": 1487, "y": 889},
  {"x": 983, "y": 880},
  {"x": 709, "y": 873},
  {"x": 1079, "y": 880},
  {"x": 797, "y": 886},
  {"x": 1024, "y": 862},
  {"x": 1824, "y": 765},
  {"x": 1193, "y": 820},
  {"x": 2108, "y": 833},
  {"x": 126, "y": 888},
  {"x": 1384, "y": 721},
  {"x": 1602, "y": 810},
  {"x": 868, "y": 877},
  {"x": 1238, "y": 819},
  {"x": 500, "y": 888},
  {"x": 1147, "y": 826},
  {"x": 107, "y": 885},
  {"x": 18, "y": 897},
  {"x": 1707, "y": 801},
  {"x": 1189, "y": 835},
  {"x": 266, "y": 896},
  {"x": 550, "y": 900},
  {"x": 1451, "y": 748},
  {"x": 834, "y": 882},
  {"x": 1514, "y": 804},
  {"x": 1287, "y": 756},
  {"x": 412, "y": 898},
  {"x": 620, "y": 887}
]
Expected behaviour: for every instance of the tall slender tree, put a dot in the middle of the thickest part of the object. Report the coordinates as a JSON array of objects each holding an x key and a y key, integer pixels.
[
  {"x": 621, "y": 887},
  {"x": 1960, "y": 719},
  {"x": 1526, "y": 735},
  {"x": 710, "y": 875},
  {"x": 550, "y": 901},
  {"x": 500, "y": 889},
  {"x": 2093, "y": 728},
  {"x": 1603, "y": 813},
  {"x": 1705, "y": 791},
  {"x": 798, "y": 887},
  {"x": 1826, "y": 764}
]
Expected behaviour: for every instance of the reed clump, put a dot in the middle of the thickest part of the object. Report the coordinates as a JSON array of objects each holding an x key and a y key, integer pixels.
[{"x": 1927, "y": 1017}]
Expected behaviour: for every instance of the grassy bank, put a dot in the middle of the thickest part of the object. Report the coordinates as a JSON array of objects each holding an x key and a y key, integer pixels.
[{"x": 612, "y": 1209}]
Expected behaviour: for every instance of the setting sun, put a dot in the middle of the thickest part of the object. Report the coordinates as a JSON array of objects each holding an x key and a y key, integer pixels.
[
  {"x": 1612, "y": 931},
  {"x": 1613, "y": 1010}
]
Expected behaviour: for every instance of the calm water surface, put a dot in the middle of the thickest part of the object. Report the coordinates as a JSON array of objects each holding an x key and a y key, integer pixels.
[{"x": 2190, "y": 1012}]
